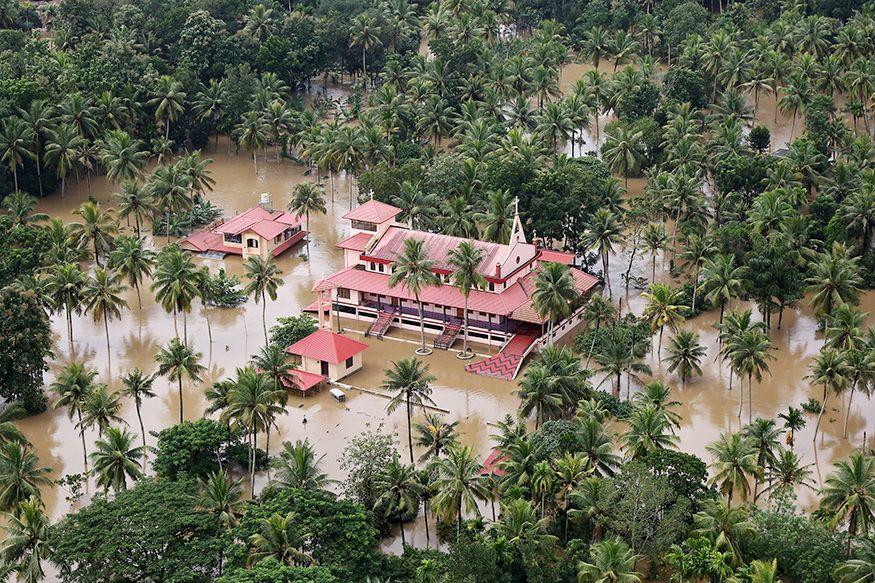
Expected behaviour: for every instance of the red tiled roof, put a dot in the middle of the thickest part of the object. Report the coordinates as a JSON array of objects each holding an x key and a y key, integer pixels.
[
  {"x": 373, "y": 211},
  {"x": 437, "y": 247},
  {"x": 526, "y": 312},
  {"x": 303, "y": 380},
  {"x": 328, "y": 346},
  {"x": 493, "y": 462},
  {"x": 357, "y": 242},
  {"x": 201, "y": 241},
  {"x": 556, "y": 256},
  {"x": 266, "y": 224}
]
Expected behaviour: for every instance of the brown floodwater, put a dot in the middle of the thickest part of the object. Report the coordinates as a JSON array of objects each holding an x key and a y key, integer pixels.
[{"x": 708, "y": 407}]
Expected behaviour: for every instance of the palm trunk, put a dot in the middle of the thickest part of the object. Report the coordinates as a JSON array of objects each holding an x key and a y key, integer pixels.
[
  {"x": 425, "y": 519},
  {"x": 139, "y": 298},
  {"x": 82, "y": 437},
  {"x": 253, "y": 443},
  {"x": 695, "y": 287},
  {"x": 69, "y": 327},
  {"x": 409, "y": 429},
  {"x": 822, "y": 410},
  {"x": 848, "y": 413},
  {"x": 180, "y": 398},
  {"x": 255, "y": 160},
  {"x": 264, "y": 315},
  {"x": 143, "y": 432},
  {"x": 741, "y": 400},
  {"x": 749, "y": 398},
  {"x": 465, "y": 339},
  {"x": 108, "y": 348},
  {"x": 421, "y": 325}
]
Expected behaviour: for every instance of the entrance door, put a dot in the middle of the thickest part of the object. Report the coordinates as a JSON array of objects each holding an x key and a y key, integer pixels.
[{"x": 324, "y": 366}]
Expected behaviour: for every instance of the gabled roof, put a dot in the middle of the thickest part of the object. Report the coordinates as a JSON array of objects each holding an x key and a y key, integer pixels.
[
  {"x": 357, "y": 242},
  {"x": 373, "y": 211},
  {"x": 302, "y": 380},
  {"x": 437, "y": 247},
  {"x": 328, "y": 346},
  {"x": 556, "y": 256},
  {"x": 267, "y": 224}
]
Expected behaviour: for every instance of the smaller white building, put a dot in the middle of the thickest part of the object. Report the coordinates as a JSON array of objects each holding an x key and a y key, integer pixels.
[{"x": 329, "y": 354}]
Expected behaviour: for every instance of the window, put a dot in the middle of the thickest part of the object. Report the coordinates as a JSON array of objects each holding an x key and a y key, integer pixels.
[
  {"x": 252, "y": 243},
  {"x": 349, "y": 362},
  {"x": 491, "y": 286},
  {"x": 233, "y": 238},
  {"x": 343, "y": 292},
  {"x": 380, "y": 267},
  {"x": 364, "y": 226}
]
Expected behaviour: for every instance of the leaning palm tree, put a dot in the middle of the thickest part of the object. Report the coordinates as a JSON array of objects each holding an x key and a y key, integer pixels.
[
  {"x": 848, "y": 495},
  {"x": 298, "y": 466},
  {"x": 132, "y": 261},
  {"x": 830, "y": 370},
  {"x": 435, "y": 435},
  {"x": 610, "y": 561},
  {"x": 459, "y": 483},
  {"x": 218, "y": 494},
  {"x": 116, "y": 459},
  {"x": 413, "y": 270},
  {"x": 663, "y": 309},
  {"x": 137, "y": 385},
  {"x": 554, "y": 294},
  {"x": 178, "y": 361},
  {"x": 103, "y": 299},
  {"x": 735, "y": 461},
  {"x": 400, "y": 492},
  {"x": 308, "y": 198},
  {"x": 466, "y": 259},
  {"x": 685, "y": 355},
  {"x": 264, "y": 280},
  {"x": 101, "y": 408},
  {"x": 25, "y": 545},
  {"x": 73, "y": 385},
  {"x": 21, "y": 476},
  {"x": 409, "y": 383}
]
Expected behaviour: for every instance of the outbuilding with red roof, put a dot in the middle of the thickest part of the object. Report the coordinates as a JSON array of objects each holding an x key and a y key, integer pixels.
[{"x": 329, "y": 354}]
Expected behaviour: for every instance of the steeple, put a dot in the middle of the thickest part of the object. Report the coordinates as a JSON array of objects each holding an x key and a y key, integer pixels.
[{"x": 517, "y": 235}]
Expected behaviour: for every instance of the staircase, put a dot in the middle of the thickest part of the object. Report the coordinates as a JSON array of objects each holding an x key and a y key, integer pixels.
[
  {"x": 378, "y": 328},
  {"x": 447, "y": 337},
  {"x": 506, "y": 364}
]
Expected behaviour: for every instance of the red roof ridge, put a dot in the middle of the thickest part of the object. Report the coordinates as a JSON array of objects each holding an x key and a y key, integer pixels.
[
  {"x": 328, "y": 346},
  {"x": 373, "y": 211}
]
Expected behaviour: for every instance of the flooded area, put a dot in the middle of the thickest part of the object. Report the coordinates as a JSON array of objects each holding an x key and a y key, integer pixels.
[{"x": 708, "y": 408}]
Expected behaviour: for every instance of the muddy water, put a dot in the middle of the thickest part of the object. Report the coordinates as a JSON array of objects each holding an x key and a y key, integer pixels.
[{"x": 708, "y": 407}]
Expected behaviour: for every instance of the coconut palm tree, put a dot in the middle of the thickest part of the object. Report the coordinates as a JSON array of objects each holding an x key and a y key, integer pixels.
[
  {"x": 65, "y": 285},
  {"x": 253, "y": 404},
  {"x": 834, "y": 281},
  {"x": 610, "y": 560},
  {"x": 663, "y": 309},
  {"x": 174, "y": 283},
  {"x": 169, "y": 102},
  {"x": 603, "y": 231},
  {"x": 73, "y": 385},
  {"x": 860, "y": 569},
  {"x": 848, "y": 495},
  {"x": 21, "y": 476},
  {"x": 218, "y": 494},
  {"x": 97, "y": 227},
  {"x": 122, "y": 156},
  {"x": 413, "y": 270},
  {"x": 554, "y": 293},
  {"x": 63, "y": 148},
  {"x": 734, "y": 462},
  {"x": 400, "y": 492},
  {"x": 459, "y": 483},
  {"x": 409, "y": 383},
  {"x": 786, "y": 473},
  {"x": 251, "y": 133},
  {"x": 764, "y": 434},
  {"x": 655, "y": 239},
  {"x": 20, "y": 207},
  {"x": 264, "y": 280},
  {"x": 308, "y": 198},
  {"x": 281, "y": 539},
  {"x": 365, "y": 34},
  {"x": 466, "y": 259},
  {"x": 597, "y": 446},
  {"x": 177, "y": 361},
  {"x": 649, "y": 429},
  {"x": 298, "y": 466},
  {"x": 794, "y": 420},
  {"x": 685, "y": 354},
  {"x": 749, "y": 355},
  {"x": 725, "y": 525},
  {"x": 831, "y": 370},
  {"x": 137, "y": 385},
  {"x": 132, "y": 261},
  {"x": 435, "y": 435},
  {"x": 273, "y": 360},
  {"x": 696, "y": 250},
  {"x": 623, "y": 151},
  {"x": 135, "y": 200},
  {"x": 540, "y": 392},
  {"x": 597, "y": 311},
  {"x": 116, "y": 459},
  {"x": 25, "y": 544},
  {"x": 101, "y": 408},
  {"x": 721, "y": 280},
  {"x": 209, "y": 104},
  {"x": 17, "y": 143},
  {"x": 104, "y": 300},
  {"x": 12, "y": 412}
]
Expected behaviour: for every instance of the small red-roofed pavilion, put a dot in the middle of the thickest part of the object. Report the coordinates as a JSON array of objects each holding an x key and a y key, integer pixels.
[{"x": 329, "y": 354}]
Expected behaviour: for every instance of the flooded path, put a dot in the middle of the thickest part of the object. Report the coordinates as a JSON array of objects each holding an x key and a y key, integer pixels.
[{"x": 708, "y": 407}]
